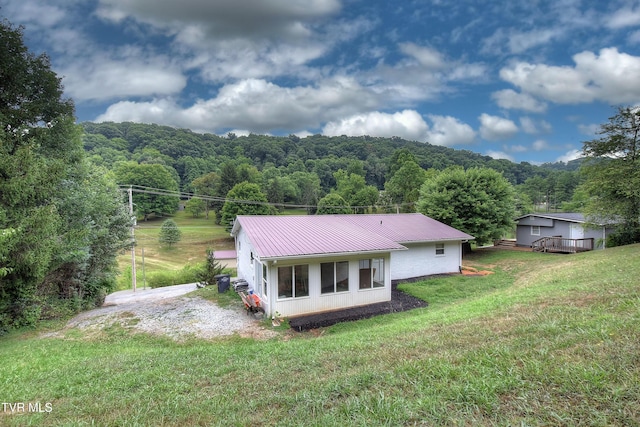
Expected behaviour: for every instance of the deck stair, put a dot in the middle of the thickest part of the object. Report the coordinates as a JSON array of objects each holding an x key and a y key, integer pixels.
[{"x": 562, "y": 245}]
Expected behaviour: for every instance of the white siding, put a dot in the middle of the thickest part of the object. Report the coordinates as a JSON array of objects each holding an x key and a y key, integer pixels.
[
  {"x": 421, "y": 260},
  {"x": 316, "y": 301}
]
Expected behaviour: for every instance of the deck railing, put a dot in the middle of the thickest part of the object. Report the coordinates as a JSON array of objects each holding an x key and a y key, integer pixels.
[{"x": 561, "y": 244}]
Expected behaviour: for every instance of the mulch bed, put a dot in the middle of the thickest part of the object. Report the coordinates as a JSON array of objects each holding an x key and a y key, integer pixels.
[{"x": 400, "y": 301}]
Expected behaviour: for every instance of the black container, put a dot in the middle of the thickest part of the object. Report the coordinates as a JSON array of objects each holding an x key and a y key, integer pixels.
[{"x": 223, "y": 280}]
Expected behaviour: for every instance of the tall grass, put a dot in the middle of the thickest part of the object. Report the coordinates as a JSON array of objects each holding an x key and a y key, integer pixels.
[{"x": 546, "y": 340}]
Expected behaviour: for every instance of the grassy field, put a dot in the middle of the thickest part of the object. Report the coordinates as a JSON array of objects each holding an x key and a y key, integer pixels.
[
  {"x": 546, "y": 340},
  {"x": 198, "y": 234}
]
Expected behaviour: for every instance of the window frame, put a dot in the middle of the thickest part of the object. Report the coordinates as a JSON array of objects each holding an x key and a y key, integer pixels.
[
  {"x": 440, "y": 249},
  {"x": 338, "y": 287},
  {"x": 368, "y": 264},
  {"x": 534, "y": 227},
  {"x": 294, "y": 274}
]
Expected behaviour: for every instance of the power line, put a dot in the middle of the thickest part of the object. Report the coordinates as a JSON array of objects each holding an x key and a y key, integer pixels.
[{"x": 185, "y": 195}]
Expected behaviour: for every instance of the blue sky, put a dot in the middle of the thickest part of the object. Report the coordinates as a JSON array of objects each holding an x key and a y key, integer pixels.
[{"x": 523, "y": 80}]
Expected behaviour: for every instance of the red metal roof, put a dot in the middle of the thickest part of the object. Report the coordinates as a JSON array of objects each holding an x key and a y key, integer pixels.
[{"x": 290, "y": 236}]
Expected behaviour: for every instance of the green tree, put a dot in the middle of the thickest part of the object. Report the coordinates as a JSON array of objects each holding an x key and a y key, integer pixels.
[
  {"x": 207, "y": 185},
  {"x": 478, "y": 201},
  {"x": 244, "y": 198},
  {"x": 195, "y": 206},
  {"x": 169, "y": 233},
  {"x": 62, "y": 221},
  {"x": 332, "y": 204},
  {"x": 151, "y": 177},
  {"x": 209, "y": 269},
  {"x": 404, "y": 185},
  {"x": 612, "y": 172}
]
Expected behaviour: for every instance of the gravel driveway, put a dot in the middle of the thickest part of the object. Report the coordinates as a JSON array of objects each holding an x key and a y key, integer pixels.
[{"x": 166, "y": 311}]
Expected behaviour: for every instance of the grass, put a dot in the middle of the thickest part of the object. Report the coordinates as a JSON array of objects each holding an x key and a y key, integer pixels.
[
  {"x": 546, "y": 340},
  {"x": 198, "y": 234}
]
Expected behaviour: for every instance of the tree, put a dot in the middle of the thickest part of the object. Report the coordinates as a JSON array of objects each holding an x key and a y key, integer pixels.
[
  {"x": 62, "y": 221},
  {"x": 404, "y": 185},
  {"x": 612, "y": 171},
  {"x": 332, "y": 204},
  {"x": 207, "y": 272},
  {"x": 207, "y": 185},
  {"x": 478, "y": 201},
  {"x": 244, "y": 199},
  {"x": 153, "y": 177},
  {"x": 195, "y": 206},
  {"x": 169, "y": 232}
]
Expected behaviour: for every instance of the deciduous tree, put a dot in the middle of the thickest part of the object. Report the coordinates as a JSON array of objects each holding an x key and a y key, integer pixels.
[
  {"x": 478, "y": 201},
  {"x": 612, "y": 173}
]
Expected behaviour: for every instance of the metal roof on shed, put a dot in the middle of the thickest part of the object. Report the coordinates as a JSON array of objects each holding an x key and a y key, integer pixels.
[{"x": 307, "y": 235}]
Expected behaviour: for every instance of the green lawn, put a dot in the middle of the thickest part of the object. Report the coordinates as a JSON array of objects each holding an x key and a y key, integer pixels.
[
  {"x": 198, "y": 234},
  {"x": 546, "y": 340}
]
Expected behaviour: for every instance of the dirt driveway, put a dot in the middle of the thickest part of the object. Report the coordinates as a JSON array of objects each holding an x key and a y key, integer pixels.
[{"x": 167, "y": 311}]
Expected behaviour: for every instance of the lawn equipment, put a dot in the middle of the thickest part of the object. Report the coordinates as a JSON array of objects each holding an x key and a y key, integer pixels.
[{"x": 251, "y": 303}]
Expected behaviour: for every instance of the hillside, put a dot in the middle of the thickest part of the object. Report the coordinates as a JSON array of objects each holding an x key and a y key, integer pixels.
[
  {"x": 193, "y": 154},
  {"x": 545, "y": 340}
]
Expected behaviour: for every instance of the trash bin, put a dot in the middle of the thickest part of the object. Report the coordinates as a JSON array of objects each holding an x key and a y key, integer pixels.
[{"x": 223, "y": 281}]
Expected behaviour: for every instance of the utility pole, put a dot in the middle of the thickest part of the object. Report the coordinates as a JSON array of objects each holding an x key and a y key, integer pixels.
[{"x": 133, "y": 241}]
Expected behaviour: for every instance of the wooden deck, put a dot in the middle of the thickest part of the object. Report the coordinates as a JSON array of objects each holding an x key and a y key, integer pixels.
[{"x": 562, "y": 245}]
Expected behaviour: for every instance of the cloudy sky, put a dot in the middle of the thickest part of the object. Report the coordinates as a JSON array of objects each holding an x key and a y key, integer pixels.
[{"x": 522, "y": 80}]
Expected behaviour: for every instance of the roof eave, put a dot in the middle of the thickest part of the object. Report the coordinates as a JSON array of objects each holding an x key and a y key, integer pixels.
[{"x": 328, "y": 254}]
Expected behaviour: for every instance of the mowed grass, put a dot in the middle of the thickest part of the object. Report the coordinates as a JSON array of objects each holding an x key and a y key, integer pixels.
[
  {"x": 546, "y": 340},
  {"x": 198, "y": 234}
]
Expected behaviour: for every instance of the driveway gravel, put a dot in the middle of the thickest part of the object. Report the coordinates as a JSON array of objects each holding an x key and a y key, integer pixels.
[{"x": 166, "y": 311}]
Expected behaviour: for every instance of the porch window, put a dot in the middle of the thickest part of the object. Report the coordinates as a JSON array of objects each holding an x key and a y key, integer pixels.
[
  {"x": 535, "y": 230},
  {"x": 439, "y": 248},
  {"x": 334, "y": 277},
  {"x": 293, "y": 281},
  {"x": 264, "y": 280},
  {"x": 371, "y": 273}
]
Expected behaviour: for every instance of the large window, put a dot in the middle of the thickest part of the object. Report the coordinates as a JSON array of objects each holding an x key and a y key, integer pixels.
[
  {"x": 371, "y": 273},
  {"x": 334, "y": 277},
  {"x": 293, "y": 281}
]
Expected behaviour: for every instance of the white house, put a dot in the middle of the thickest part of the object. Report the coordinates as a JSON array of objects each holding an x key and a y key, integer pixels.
[{"x": 307, "y": 264}]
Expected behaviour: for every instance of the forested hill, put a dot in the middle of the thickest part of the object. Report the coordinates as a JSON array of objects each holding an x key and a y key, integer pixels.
[{"x": 192, "y": 154}]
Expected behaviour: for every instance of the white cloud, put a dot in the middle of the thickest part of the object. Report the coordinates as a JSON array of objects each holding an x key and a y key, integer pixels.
[
  {"x": 449, "y": 131},
  {"x": 254, "y": 104},
  {"x": 541, "y": 145},
  {"x": 407, "y": 124},
  {"x": 495, "y": 128},
  {"x": 570, "y": 155},
  {"x": 426, "y": 56},
  {"x": 622, "y": 18},
  {"x": 499, "y": 155},
  {"x": 510, "y": 99},
  {"x": 533, "y": 127},
  {"x": 126, "y": 74},
  {"x": 603, "y": 77}
]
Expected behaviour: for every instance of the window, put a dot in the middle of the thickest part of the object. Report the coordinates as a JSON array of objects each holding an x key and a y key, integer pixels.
[
  {"x": 371, "y": 273},
  {"x": 535, "y": 230},
  {"x": 293, "y": 281},
  {"x": 264, "y": 280},
  {"x": 439, "y": 248},
  {"x": 334, "y": 277}
]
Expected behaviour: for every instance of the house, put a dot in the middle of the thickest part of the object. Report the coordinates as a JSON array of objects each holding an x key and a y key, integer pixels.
[
  {"x": 560, "y": 232},
  {"x": 307, "y": 264}
]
